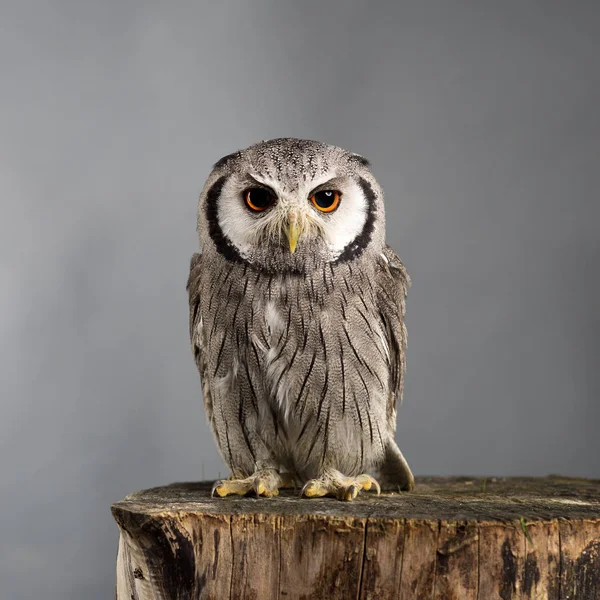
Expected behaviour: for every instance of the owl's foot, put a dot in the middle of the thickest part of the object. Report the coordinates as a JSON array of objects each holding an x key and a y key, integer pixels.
[
  {"x": 336, "y": 484},
  {"x": 263, "y": 483}
]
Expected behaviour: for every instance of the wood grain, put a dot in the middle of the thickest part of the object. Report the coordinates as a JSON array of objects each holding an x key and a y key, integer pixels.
[
  {"x": 451, "y": 539},
  {"x": 382, "y": 564}
]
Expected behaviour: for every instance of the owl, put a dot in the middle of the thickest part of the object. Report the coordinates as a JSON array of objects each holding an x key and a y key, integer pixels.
[{"x": 296, "y": 322}]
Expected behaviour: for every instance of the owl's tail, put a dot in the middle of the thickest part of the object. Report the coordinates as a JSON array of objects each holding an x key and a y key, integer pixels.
[{"x": 394, "y": 473}]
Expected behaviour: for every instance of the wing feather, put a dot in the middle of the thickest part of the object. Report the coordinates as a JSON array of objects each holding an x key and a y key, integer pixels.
[
  {"x": 393, "y": 283},
  {"x": 197, "y": 337}
]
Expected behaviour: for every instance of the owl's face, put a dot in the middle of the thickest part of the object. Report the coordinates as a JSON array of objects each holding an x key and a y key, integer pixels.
[{"x": 291, "y": 205}]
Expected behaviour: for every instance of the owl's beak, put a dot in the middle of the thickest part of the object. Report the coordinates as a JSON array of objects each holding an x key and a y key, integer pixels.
[{"x": 294, "y": 231}]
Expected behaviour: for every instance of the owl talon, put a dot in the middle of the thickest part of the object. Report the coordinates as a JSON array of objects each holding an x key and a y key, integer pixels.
[
  {"x": 349, "y": 493},
  {"x": 228, "y": 487},
  {"x": 220, "y": 488},
  {"x": 262, "y": 490},
  {"x": 367, "y": 482},
  {"x": 265, "y": 483},
  {"x": 343, "y": 488},
  {"x": 314, "y": 488}
]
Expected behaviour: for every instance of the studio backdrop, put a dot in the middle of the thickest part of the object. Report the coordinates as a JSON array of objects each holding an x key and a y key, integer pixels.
[{"x": 481, "y": 123}]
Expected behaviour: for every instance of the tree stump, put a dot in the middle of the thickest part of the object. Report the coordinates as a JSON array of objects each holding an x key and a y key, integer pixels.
[{"x": 460, "y": 538}]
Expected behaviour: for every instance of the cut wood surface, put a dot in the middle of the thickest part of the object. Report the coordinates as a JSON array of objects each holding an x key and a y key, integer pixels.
[{"x": 457, "y": 538}]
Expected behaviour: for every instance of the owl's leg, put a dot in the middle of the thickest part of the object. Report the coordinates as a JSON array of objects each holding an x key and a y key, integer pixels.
[
  {"x": 251, "y": 456},
  {"x": 265, "y": 482},
  {"x": 333, "y": 483},
  {"x": 395, "y": 472}
]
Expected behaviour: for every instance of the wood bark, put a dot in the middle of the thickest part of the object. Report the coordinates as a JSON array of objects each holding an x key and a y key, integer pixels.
[{"x": 452, "y": 538}]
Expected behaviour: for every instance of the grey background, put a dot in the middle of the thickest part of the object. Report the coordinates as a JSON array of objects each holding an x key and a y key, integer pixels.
[{"x": 481, "y": 121}]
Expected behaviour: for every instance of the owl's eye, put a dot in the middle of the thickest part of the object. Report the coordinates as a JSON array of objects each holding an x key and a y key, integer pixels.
[
  {"x": 326, "y": 200},
  {"x": 258, "y": 199}
]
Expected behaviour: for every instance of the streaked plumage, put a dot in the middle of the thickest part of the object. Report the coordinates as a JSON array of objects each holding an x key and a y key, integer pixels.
[{"x": 301, "y": 354}]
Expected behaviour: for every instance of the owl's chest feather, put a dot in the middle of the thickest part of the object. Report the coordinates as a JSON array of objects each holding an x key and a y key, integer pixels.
[
  {"x": 297, "y": 345},
  {"x": 317, "y": 354}
]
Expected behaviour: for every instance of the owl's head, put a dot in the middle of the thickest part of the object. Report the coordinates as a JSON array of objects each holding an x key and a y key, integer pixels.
[{"x": 290, "y": 205}]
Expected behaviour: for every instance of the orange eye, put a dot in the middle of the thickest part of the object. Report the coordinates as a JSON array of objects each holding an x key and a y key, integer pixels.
[
  {"x": 258, "y": 199},
  {"x": 326, "y": 200}
]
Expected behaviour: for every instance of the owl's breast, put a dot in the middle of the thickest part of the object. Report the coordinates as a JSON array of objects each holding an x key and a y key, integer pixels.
[{"x": 321, "y": 358}]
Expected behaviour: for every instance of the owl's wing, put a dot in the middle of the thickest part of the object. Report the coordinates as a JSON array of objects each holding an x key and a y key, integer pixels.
[
  {"x": 193, "y": 290},
  {"x": 197, "y": 337},
  {"x": 393, "y": 283}
]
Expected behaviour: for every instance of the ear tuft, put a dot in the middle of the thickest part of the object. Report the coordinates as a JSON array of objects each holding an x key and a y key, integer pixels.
[
  {"x": 361, "y": 160},
  {"x": 222, "y": 162}
]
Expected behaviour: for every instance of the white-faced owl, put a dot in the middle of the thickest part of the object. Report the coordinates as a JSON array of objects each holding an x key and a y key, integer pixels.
[{"x": 296, "y": 321}]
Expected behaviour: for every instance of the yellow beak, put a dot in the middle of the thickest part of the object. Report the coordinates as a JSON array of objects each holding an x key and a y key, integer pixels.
[{"x": 294, "y": 232}]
